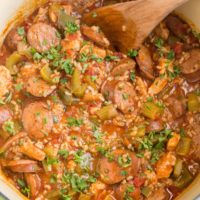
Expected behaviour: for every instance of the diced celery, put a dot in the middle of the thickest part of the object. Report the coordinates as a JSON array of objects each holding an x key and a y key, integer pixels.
[
  {"x": 193, "y": 102},
  {"x": 183, "y": 147},
  {"x": 178, "y": 167},
  {"x": 151, "y": 110},
  {"x": 107, "y": 112}
]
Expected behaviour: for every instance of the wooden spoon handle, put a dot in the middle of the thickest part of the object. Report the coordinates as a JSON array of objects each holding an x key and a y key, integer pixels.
[{"x": 161, "y": 6}]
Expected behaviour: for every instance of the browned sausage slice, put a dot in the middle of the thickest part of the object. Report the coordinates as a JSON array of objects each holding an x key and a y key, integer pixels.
[
  {"x": 95, "y": 35},
  {"x": 145, "y": 62},
  {"x": 123, "y": 66},
  {"x": 111, "y": 171},
  {"x": 195, "y": 147},
  {"x": 32, "y": 151},
  {"x": 23, "y": 166},
  {"x": 5, "y": 114},
  {"x": 159, "y": 194},
  {"x": 13, "y": 39},
  {"x": 191, "y": 67},
  {"x": 5, "y": 81},
  {"x": 177, "y": 103},
  {"x": 42, "y": 37},
  {"x": 176, "y": 26},
  {"x": 107, "y": 89},
  {"x": 34, "y": 182},
  {"x": 37, "y": 120},
  {"x": 38, "y": 87},
  {"x": 125, "y": 96}
]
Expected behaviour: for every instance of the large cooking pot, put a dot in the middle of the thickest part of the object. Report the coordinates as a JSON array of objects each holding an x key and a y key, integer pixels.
[{"x": 14, "y": 11}]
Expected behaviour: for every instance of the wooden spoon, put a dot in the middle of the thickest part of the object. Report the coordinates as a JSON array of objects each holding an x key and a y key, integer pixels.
[{"x": 128, "y": 24}]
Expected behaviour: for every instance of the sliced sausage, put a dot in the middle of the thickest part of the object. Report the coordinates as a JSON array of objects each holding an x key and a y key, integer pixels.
[
  {"x": 95, "y": 35},
  {"x": 5, "y": 114},
  {"x": 4, "y": 54},
  {"x": 110, "y": 171},
  {"x": 12, "y": 140},
  {"x": 177, "y": 103},
  {"x": 5, "y": 81},
  {"x": 191, "y": 66},
  {"x": 122, "y": 93},
  {"x": 160, "y": 194},
  {"x": 37, "y": 120},
  {"x": 122, "y": 192},
  {"x": 32, "y": 151},
  {"x": 145, "y": 62},
  {"x": 13, "y": 39},
  {"x": 42, "y": 37},
  {"x": 125, "y": 65},
  {"x": 125, "y": 96},
  {"x": 34, "y": 183},
  {"x": 156, "y": 125},
  {"x": 107, "y": 89},
  {"x": 38, "y": 87},
  {"x": 23, "y": 166},
  {"x": 176, "y": 26},
  {"x": 195, "y": 147}
]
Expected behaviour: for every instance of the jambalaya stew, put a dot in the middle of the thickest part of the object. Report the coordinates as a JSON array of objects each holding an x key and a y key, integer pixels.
[{"x": 80, "y": 121}]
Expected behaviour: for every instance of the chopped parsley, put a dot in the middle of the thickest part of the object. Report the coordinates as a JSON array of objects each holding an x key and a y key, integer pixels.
[
  {"x": 53, "y": 178},
  {"x": 196, "y": 34},
  {"x": 129, "y": 189},
  {"x": 63, "y": 152},
  {"x": 55, "y": 57},
  {"x": 78, "y": 156},
  {"x": 78, "y": 183},
  {"x": 182, "y": 132},
  {"x": 18, "y": 87},
  {"x": 21, "y": 31},
  {"x": 159, "y": 42},
  {"x": 95, "y": 58},
  {"x": 132, "y": 76},
  {"x": 83, "y": 159},
  {"x": 74, "y": 122},
  {"x": 124, "y": 160},
  {"x": 94, "y": 14},
  {"x": 67, "y": 66},
  {"x": 9, "y": 127},
  {"x": 176, "y": 72},
  {"x": 107, "y": 153},
  {"x": 71, "y": 27},
  {"x": 65, "y": 195},
  {"x": 132, "y": 53},
  {"x": 140, "y": 155},
  {"x": 110, "y": 58},
  {"x": 125, "y": 96},
  {"x": 171, "y": 55},
  {"x": 23, "y": 187},
  {"x": 149, "y": 99},
  {"x": 154, "y": 142},
  {"x": 98, "y": 135},
  {"x": 51, "y": 161},
  {"x": 83, "y": 57},
  {"x": 124, "y": 173}
]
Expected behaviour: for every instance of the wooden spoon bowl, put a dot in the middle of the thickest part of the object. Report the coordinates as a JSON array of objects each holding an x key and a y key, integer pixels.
[{"x": 128, "y": 24}]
